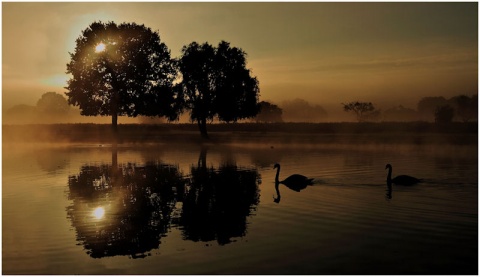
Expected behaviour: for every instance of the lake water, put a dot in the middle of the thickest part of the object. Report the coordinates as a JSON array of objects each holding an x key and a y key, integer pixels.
[{"x": 192, "y": 209}]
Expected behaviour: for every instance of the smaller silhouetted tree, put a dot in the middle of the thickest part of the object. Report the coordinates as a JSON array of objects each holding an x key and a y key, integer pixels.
[
  {"x": 364, "y": 111},
  {"x": 269, "y": 112},
  {"x": 216, "y": 83},
  {"x": 444, "y": 114}
]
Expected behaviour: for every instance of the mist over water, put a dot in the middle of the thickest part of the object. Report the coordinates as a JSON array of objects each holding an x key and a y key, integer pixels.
[{"x": 90, "y": 208}]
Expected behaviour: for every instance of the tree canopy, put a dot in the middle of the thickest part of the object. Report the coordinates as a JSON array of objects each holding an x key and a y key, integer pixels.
[
  {"x": 269, "y": 112},
  {"x": 363, "y": 110},
  {"x": 216, "y": 83},
  {"x": 53, "y": 103},
  {"x": 444, "y": 114},
  {"x": 121, "y": 70}
]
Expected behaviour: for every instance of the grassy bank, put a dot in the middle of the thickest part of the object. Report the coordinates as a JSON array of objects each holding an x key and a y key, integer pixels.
[{"x": 416, "y": 132}]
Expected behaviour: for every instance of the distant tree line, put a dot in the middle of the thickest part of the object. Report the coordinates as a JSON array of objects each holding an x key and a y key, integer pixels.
[
  {"x": 461, "y": 108},
  {"x": 297, "y": 110},
  {"x": 50, "y": 106}
]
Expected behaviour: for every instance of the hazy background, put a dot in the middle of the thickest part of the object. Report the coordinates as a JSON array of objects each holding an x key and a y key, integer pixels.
[{"x": 324, "y": 53}]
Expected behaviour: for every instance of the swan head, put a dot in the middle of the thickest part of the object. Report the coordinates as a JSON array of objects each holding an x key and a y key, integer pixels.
[
  {"x": 388, "y": 166},
  {"x": 276, "y": 166}
]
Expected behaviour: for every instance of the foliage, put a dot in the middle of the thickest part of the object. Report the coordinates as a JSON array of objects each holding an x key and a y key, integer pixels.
[
  {"x": 400, "y": 113},
  {"x": 269, "y": 112},
  {"x": 444, "y": 114},
  {"x": 216, "y": 82},
  {"x": 20, "y": 114},
  {"x": 427, "y": 106},
  {"x": 299, "y": 110},
  {"x": 364, "y": 111},
  {"x": 53, "y": 103},
  {"x": 131, "y": 75},
  {"x": 466, "y": 107}
]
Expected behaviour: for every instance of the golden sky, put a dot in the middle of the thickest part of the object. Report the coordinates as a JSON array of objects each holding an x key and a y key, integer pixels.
[{"x": 326, "y": 53}]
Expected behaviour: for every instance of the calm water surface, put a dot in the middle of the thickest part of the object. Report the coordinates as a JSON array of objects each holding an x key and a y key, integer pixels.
[{"x": 188, "y": 209}]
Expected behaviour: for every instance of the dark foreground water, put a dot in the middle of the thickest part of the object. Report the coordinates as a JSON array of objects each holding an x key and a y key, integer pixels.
[{"x": 188, "y": 209}]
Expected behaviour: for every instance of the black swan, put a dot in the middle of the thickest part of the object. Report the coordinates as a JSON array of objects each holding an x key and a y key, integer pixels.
[
  {"x": 294, "y": 182},
  {"x": 401, "y": 179}
]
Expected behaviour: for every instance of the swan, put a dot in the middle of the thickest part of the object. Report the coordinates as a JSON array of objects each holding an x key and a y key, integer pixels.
[
  {"x": 401, "y": 179},
  {"x": 294, "y": 182}
]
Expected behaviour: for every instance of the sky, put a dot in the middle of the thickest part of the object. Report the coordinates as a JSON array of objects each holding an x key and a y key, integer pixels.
[{"x": 328, "y": 53}]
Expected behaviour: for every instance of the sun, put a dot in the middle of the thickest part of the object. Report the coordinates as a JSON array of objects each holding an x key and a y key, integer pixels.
[{"x": 100, "y": 47}]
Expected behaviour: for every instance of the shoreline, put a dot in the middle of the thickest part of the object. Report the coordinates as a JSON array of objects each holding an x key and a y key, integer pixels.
[{"x": 227, "y": 133}]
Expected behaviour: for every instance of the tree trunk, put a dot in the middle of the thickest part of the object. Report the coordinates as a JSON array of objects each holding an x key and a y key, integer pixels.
[
  {"x": 202, "y": 125},
  {"x": 115, "y": 127},
  {"x": 202, "y": 159},
  {"x": 114, "y": 110}
]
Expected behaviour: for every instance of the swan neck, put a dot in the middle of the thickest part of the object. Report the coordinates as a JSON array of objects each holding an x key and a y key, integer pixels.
[{"x": 389, "y": 176}]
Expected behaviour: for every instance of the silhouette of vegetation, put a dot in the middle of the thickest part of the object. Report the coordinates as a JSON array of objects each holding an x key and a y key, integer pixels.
[
  {"x": 21, "y": 114},
  {"x": 121, "y": 70},
  {"x": 364, "y": 111},
  {"x": 50, "y": 107},
  {"x": 427, "y": 106},
  {"x": 218, "y": 202},
  {"x": 269, "y": 112},
  {"x": 444, "y": 114},
  {"x": 268, "y": 134},
  {"x": 53, "y": 103},
  {"x": 466, "y": 107},
  {"x": 216, "y": 83},
  {"x": 299, "y": 110},
  {"x": 136, "y": 203},
  {"x": 400, "y": 113}
]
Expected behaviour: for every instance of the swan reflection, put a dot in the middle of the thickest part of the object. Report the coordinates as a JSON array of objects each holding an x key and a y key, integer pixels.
[{"x": 388, "y": 193}]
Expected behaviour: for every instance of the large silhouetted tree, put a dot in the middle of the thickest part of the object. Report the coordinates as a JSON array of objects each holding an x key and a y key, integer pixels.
[
  {"x": 216, "y": 83},
  {"x": 120, "y": 70}
]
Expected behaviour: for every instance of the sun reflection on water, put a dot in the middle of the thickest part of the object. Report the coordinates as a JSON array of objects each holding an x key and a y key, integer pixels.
[{"x": 99, "y": 212}]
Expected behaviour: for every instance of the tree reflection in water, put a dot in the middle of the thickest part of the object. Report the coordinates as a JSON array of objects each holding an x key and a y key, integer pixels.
[
  {"x": 135, "y": 201},
  {"x": 125, "y": 209},
  {"x": 218, "y": 202}
]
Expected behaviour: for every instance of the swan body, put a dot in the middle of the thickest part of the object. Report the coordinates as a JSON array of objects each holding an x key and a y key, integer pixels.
[
  {"x": 294, "y": 182},
  {"x": 400, "y": 179}
]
